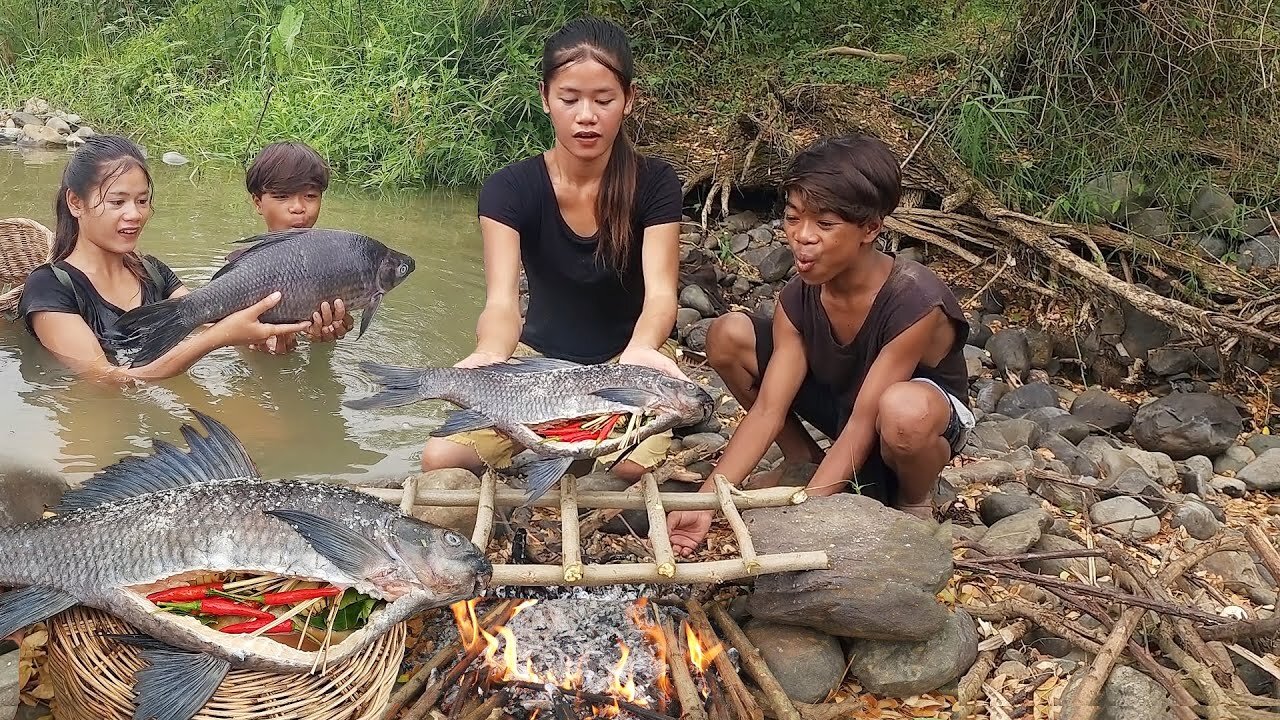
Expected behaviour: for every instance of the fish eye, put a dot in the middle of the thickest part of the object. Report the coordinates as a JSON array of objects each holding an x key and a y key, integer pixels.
[
  {"x": 403, "y": 269},
  {"x": 452, "y": 539}
]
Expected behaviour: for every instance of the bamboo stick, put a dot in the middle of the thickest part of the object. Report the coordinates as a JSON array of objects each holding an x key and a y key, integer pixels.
[
  {"x": 686, "y": 692},
  {"x": 484, "y": 511},
  {"x": 593, "y": 499},
  {"x": 736, "y": 694},
  {"x": 408, "y": 491},
  {"x": 724, "y": 492},
  {"x": 571, "y": 547},
  {"x": 756, "y": 667},
  {"x": 664, "y": 557},
  {"x": 715, "y": 571}
]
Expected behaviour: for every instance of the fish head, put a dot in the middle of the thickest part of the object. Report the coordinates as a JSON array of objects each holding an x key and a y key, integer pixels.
[
  {"x": 442, "y": 561},
  {"x": 393, "y": 268},
  {"x": 676, "y": 400}
]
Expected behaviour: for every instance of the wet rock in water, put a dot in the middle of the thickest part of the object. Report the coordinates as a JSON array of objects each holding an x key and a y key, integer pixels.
[
  {"x": 1057, "y": 566},
  {"x": 975, "y": 360},
  {"x": 903, "y": 669},
  {"x": 462, "y": 519},
  {"x": 886, "y": 568},
  {"x": 58, "y": 124},
  {"x": 1197, "y": 518},
  {"x": 1128, "y": 695},
  {"x": 1194, "y": 474},
  {"x": 1126, "y": 515},
  {"x": 1016, "y": 533},
  {"x": 808, "y": 664},
  {"x": 1263, "y": 473},
  {"x": 1028, "y": 397},
  {"x": 25, "y": 493},
  {"x": 41, "y": 136},
  {"x": 1010, "y": 352},
  {"x": 9, "y": 690},
  {"x": 696, "y": 340},
  {"x": 987, "y": 472},
  {"x": 1102, "y": 410},
  {"x": 1185, "y": 424},
  {"x": 1233, "y": 460},
  {"x": 1000, "y": 505},
  {"x": 693, "y": 296}
]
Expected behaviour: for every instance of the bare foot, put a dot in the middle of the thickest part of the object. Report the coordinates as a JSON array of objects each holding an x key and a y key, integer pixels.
[{"x": 923, "y": 511}]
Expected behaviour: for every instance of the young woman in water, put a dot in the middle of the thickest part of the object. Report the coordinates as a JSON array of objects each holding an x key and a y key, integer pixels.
[
  {"x": 96, "y": 273},
  {"x": 596, "y": 227}
]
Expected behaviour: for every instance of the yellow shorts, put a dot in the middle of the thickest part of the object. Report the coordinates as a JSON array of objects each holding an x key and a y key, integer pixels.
[{"x": 497, "y": 450}]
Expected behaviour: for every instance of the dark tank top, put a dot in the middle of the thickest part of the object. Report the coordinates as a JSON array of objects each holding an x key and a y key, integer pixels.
[{"x": 910, "y": 293}]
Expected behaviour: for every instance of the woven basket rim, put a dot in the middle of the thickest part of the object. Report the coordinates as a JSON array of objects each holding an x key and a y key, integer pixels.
[{"x": 92, "y": 678}]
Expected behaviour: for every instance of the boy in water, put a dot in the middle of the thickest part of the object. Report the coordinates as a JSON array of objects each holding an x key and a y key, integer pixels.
[
  {"x": 286, "y": 182},
  {"x": 865, "y": 347}
]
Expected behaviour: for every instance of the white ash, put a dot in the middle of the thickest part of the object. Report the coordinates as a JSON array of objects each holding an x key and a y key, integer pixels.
[
  {"x": 585, "y": 635},
  {"x": 615, "y": 593}
]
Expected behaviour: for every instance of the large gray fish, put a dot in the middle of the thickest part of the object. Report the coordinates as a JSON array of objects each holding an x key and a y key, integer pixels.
[
  {"x": 306, "y": 265},
  {"x": 517, "y": 396},
  {"x": 149, "y": 523}
]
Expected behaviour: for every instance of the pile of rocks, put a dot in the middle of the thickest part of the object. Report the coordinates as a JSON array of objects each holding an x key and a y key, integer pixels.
[{"x": 37, "y": 125}]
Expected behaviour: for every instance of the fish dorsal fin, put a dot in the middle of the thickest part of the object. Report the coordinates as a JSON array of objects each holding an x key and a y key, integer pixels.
[
  {"x": 257, "y": 243},
  {"x": 218, "y": 455},
  {"x": 530, "y": 365}
]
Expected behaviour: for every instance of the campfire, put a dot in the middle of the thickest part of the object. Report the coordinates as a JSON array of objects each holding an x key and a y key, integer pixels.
[{"x": 563, "y": 659}]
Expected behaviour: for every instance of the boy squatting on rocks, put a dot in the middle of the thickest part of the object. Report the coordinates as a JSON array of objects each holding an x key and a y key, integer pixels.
[{"x": 865, "y": 347}]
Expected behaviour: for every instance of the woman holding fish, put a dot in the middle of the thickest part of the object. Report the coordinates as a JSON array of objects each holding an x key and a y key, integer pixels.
[
  {"x": 96, "y": 273},
  {"x": 595, "y": 226}
]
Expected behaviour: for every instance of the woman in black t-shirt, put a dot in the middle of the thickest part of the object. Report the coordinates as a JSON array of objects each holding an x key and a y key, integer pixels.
[
  {"x": 96, "y": 273},
  {"x": 595, "y": 226}
]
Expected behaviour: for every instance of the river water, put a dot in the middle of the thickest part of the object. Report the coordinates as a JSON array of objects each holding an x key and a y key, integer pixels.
[{"x": 287, "y": 410}]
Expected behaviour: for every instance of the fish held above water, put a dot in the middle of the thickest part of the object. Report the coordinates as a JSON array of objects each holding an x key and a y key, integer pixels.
[
  {"x": 151, "y": 523},
  {"x": 533, "y": 401},
  {"x": 308, "y": 266}
]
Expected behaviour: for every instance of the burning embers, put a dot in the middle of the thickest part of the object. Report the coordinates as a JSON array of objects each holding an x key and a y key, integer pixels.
[{"x": 579, "y": 658}]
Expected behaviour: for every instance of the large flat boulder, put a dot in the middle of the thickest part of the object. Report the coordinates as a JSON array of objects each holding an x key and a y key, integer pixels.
[{"x": 886, "y": 569}]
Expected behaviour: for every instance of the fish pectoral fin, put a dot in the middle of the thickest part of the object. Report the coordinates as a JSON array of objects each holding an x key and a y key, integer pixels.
[
  {"x": 351, "y": 552},
  {"x": 176, "y": 683},
  {"x": 540, "y": 475},
  {"x": 366, "y": 316},
  {"x": 219, "y": 455},
  {"x": 462, "y": 421},
  {"x": 633, "y": 397},
  {"x": 29, "y": 605}
]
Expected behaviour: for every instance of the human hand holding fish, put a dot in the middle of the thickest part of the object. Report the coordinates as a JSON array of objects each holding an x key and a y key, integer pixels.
[
  {"x": 329, "y": 324},
  {"x": 479, "y": 358},
  {"x": 243, "y": 327},
  {"x": 651, "y": 358}
]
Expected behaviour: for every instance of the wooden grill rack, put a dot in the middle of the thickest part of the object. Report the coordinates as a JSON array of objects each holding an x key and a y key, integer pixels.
[{"x": 644, "y": 495}]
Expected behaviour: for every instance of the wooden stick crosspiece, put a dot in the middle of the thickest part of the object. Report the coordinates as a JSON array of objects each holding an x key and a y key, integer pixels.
[{"x": 644, "y": 495}]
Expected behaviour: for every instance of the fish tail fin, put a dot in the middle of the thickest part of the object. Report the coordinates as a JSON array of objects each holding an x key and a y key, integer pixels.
[
  {"x": 400, "y": 386},
  {"x": 176, "y": 683},
  {"x": 541, "y": 475},
  {"x": 148, "y": 332},
  {"x": 29, "y": 605}
]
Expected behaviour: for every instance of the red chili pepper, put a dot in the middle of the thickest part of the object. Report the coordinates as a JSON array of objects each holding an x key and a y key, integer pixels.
[
  {"x": 297, "y": 596},
  {"x": 184, "y": 593},
  {"x": 219, "y": 607},
  {"x": 250, "y": 626},
  {"x": 608, "y": 427}
]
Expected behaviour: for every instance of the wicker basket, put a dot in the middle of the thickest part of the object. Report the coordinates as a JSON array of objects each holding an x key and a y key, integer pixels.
[
  {"x": 24, "y": 245},
  {"x": 93, "y": 679}
]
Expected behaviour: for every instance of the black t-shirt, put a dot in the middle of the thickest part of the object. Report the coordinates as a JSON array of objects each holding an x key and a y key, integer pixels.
[
  {"x": 43, "y": 293},
  {"x": 580, "y": 308}
]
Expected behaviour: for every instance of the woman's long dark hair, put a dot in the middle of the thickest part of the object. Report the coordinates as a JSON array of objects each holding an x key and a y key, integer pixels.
[
  {"x": 97, "y": 163},
  {"x": 607, "y": 44}
]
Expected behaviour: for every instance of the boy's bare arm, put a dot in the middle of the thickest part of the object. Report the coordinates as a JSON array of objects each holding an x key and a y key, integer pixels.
[
  {"x": 895, "y": 363},
  {"x": 778, "y": 388}
]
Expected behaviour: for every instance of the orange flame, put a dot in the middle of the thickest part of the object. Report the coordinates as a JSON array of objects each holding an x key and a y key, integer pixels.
[{"x": 699, "y": 657}]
